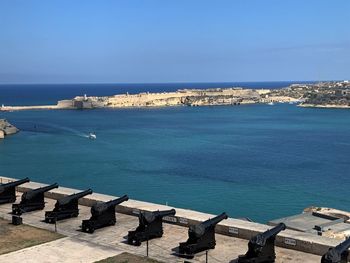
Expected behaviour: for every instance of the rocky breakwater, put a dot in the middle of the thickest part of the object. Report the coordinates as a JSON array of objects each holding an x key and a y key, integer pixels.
[{"x": 6, "y": 128}]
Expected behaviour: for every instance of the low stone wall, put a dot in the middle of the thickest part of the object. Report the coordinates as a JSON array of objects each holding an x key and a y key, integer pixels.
[{"x": 291, "y": 239}]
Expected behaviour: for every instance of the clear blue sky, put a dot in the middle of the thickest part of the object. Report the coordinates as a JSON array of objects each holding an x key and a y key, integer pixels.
[{"x": 173, "y": 41}]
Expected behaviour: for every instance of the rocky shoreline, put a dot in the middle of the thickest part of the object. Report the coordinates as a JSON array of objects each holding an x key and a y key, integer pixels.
[
  {"x": 322, "y": 94},
  {"x": 324, "y": 106},
  {"x": 187, "y": 97},
  {"x": 6, "y": 128}
]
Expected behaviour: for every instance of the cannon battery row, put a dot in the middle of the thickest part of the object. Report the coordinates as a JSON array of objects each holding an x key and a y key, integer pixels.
[{"x": 201, "y": 237}]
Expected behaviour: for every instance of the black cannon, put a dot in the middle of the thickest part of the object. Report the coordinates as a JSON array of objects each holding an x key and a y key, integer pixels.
[
  {"x": 8, "y": 191},
  {"x": 32, "y": 200},
  {"x": 66, "y": 207},
  {"x": 102, "y": 214},
  {"x": 201, "y": 236},
  {"x": 338, "y": 254},
  {"x": 261, "y": 248},
  {"x": 150, "y": 226}
]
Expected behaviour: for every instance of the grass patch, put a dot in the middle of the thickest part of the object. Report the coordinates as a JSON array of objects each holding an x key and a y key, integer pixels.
[
  {"x": 14, "y": 238},
  {"x": 128, "y": 258}
]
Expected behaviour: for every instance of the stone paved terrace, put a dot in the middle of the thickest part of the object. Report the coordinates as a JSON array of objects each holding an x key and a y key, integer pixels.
[{"x": 109, "y": 241}]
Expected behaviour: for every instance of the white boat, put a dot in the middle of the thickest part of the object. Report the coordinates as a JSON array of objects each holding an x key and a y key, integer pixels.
[
  {"x": 92, "y": 136},
  {"x": 270, "y": 103}
]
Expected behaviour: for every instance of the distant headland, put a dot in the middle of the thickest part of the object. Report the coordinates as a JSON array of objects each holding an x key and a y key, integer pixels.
[{"x": 333, "y": 94}]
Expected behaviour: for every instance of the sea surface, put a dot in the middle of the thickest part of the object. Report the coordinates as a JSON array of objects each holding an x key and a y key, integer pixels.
[{"x": 256, "y": 161}]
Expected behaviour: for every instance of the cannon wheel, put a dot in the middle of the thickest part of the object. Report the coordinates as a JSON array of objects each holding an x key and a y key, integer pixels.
[
  {"x": 17, "y": 212},
  {"x": 212, "y": 245},
  {"x": 137, "y": 243},
  {"x": 134, "y": 242},
  {"x": 159, "y": 234},
  {"x": 90, "y": 229},
  {"x": 130, "y": 241}
]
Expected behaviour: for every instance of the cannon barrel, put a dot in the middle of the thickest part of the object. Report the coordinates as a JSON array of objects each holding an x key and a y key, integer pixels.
[
  {"x": 170, "y": 212},
  {"x": 150, "y": 226},
  {"x": 273, "y": 231},
  {"x": 201, "y": 236},
  {"x": 100, "y": 207},
  {"x": 215, "y": 220},
  {"x": 200, "y": 229},
  {"x": 152, "y": 216},
  {"x": 117, "y": 201},
  {"x": 261, "y": 247},
  {"x": 345, "y": 245},
  {"x": 260, "y": 239},
  {"x": 15, "y": 183},
  {"x": 336, "y": 254},
  {"x": 69, "y": 198},
  {"x": 34, "y": 192}
]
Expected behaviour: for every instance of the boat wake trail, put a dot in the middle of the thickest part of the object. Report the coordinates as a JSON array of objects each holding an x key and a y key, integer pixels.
[{"x": 50, "y": 128}]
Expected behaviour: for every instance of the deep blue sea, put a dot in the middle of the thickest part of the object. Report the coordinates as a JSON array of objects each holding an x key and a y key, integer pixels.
[{"x": 256, "y": 161}]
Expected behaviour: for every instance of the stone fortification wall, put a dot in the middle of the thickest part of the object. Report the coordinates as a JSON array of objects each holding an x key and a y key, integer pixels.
[
  {"x": 184, "y": 97},
  {"x": 65, "y": 104}
]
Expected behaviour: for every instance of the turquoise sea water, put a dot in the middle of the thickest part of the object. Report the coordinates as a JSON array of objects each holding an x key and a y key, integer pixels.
[{"x": 256, "y": 161}]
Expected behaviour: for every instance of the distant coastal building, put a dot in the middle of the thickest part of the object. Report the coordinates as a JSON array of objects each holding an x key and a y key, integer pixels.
[{"x": 82, "y": 104}]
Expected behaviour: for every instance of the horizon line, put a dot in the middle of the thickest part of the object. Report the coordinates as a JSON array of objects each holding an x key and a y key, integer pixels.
[{"x": 157, "y": 83}]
